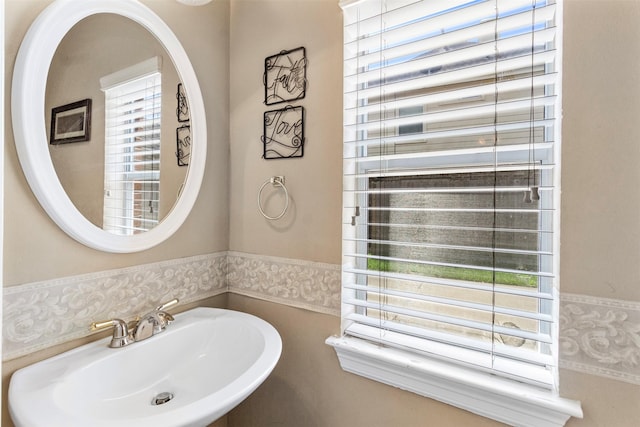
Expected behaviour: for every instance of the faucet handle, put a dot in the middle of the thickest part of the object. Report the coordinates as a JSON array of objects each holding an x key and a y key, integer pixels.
[
  {"x": 162, "y": 318},
  {"x": 120, "y": 336},
  {"x": 167, "y": 304}
]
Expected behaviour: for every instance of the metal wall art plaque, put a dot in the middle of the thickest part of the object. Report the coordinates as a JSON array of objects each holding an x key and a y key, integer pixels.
[
  {"x": 182, "y": 111},
  {"x": 283, "y": 133},
  {"x": 183, "y": 145},
  {"x": 285, "y": 76}
]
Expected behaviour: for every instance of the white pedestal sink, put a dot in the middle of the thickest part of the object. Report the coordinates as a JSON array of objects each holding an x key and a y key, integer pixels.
[{"x": 199, "y": 368}]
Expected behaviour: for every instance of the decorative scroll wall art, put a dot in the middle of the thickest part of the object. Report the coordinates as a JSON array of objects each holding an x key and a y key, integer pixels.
[
  {"x": 283, "y": 133},
  {"x": 183, "y": 133},
  {"x": 183, "y": 143},
  {"x": 285, "y": 76},
  {"x": 182, "y": 111}
]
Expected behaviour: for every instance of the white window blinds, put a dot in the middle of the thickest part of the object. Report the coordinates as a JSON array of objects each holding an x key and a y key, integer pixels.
[
  {"x": 132, "y": 149},
  {"x": 451, "y": 144}
]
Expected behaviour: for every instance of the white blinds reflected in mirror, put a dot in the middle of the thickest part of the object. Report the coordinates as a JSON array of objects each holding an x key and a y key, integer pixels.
[{"x": 133, "y": 104}]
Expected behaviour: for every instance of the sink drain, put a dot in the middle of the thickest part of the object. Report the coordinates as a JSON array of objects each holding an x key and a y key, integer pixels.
[{"x": 162, "y": 398}]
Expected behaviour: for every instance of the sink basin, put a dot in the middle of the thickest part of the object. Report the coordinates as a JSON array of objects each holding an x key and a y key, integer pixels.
[{"x": 204, "y": 364}]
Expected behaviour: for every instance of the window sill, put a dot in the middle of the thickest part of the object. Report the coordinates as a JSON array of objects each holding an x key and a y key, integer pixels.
[{"x": 484, "y": 394}]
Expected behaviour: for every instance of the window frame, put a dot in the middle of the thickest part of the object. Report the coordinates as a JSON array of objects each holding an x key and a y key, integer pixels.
[{"x": 444, "y": 379}]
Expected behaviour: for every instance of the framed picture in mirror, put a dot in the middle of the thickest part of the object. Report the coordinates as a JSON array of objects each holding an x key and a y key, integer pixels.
[{"x": 71, "y": 122}]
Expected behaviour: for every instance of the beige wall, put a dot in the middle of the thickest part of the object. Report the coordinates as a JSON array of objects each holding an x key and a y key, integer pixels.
[
  {"x": 309, "y": 389},
  {"x": 600, "y": 201},
  {"x": 601, "y": 149},
  {"x": 311, "y": 229},
  {"x": 600, "y": 239},
  {"x": 34, "y": 248}
]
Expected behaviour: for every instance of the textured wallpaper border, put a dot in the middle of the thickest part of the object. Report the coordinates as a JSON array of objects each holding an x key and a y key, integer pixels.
[
  {"x": 304, "y": 284},
  {"x": 598, "y": 336},
  {"x": 42, "y": 314}
]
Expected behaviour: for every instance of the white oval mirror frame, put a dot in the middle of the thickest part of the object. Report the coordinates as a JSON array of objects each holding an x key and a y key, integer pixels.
[{"x": 27, "y": 106}]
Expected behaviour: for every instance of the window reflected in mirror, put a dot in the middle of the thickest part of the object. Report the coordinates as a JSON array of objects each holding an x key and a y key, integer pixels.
[
  {"x": 125, "y": 177},
  {"x": 133, "y": 115}
]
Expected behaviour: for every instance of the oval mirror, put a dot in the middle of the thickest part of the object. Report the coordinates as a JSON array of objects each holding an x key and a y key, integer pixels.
[
  {"x": 124, "y": 177},
  {"x": 32, "y": 139}
]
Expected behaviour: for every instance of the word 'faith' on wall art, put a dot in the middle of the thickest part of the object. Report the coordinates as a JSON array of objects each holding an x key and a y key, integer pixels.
[{"x": 285, "y": 76}]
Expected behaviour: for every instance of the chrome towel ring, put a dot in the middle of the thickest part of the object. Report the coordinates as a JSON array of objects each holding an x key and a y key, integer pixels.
[{"x": 276, "y": 181}]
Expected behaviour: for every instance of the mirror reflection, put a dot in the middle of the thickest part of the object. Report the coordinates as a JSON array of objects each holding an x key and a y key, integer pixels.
[{"x": 116, "y": 155}]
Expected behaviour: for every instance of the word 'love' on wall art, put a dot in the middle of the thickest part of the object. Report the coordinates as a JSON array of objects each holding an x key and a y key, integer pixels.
[{"x": 283, "y": 133}]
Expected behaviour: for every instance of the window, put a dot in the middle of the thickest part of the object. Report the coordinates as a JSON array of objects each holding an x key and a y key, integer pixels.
[
  {"x": 450, "y": 235},
  {"x": 133, "y": 100}
]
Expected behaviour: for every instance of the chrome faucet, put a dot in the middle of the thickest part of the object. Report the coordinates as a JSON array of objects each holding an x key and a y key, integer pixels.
[
  {"x": 140, "y": 329},
  {"x": 154, "y": 322},
  {"x": 121, "y": 335}
]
